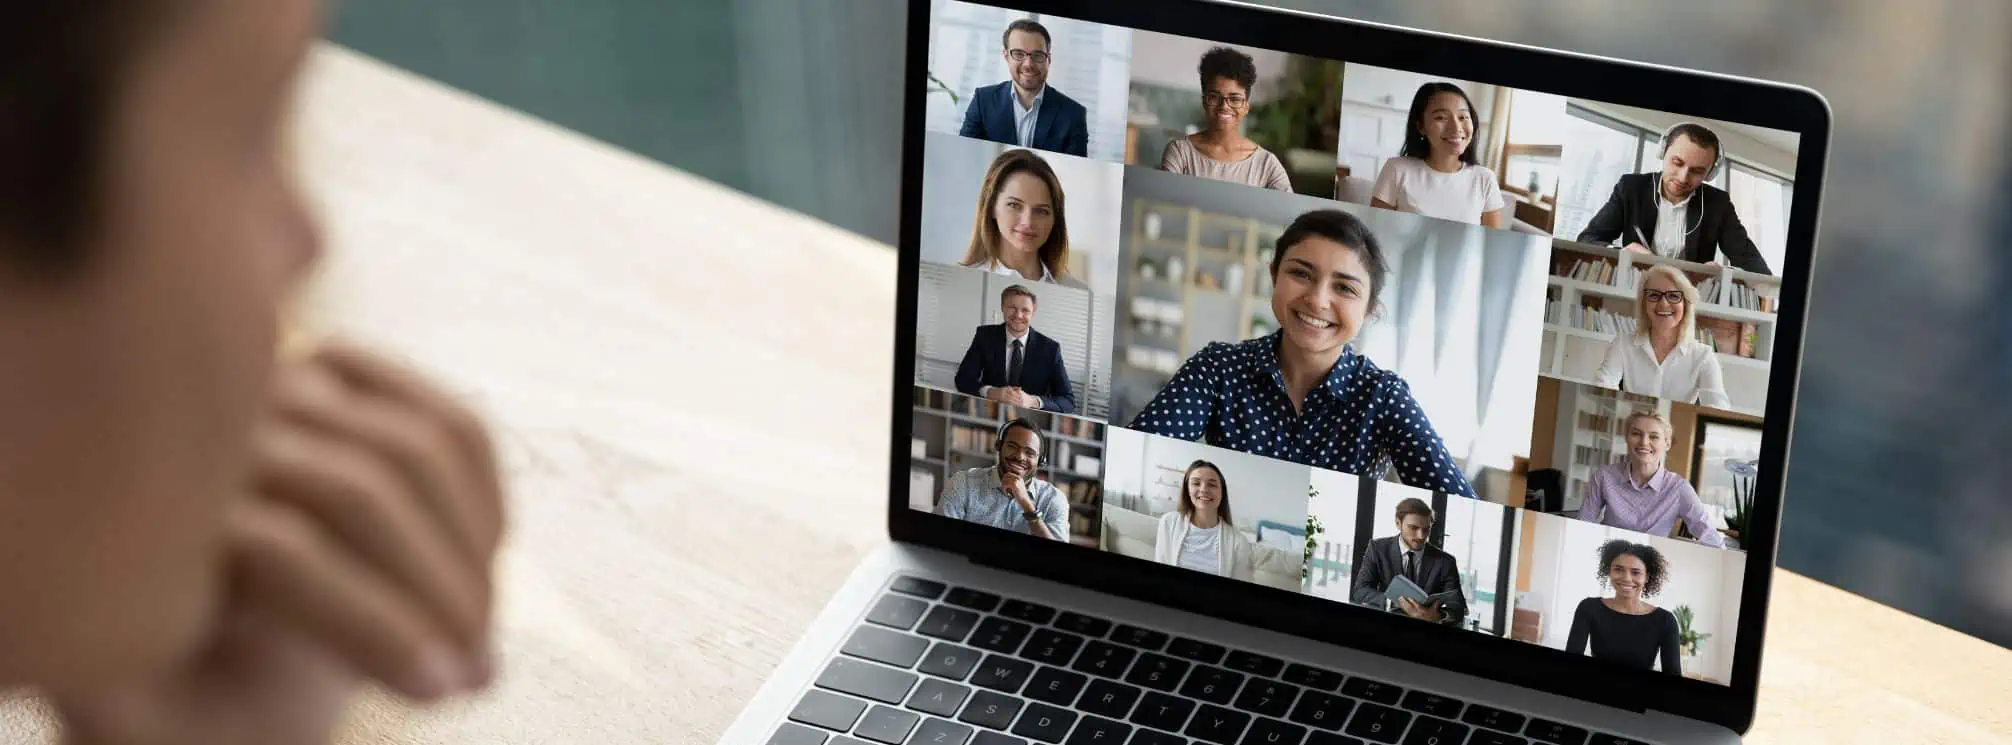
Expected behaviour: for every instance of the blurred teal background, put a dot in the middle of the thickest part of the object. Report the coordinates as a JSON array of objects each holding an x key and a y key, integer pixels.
[{"x": 1899, "y": 481}]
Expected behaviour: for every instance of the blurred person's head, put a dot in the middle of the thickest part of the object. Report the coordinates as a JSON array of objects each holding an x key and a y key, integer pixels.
[
  {"x": 1227, "y": 78},
  {"x": 1026, "y": 50},
  {"x": 1020, "y": 215},
  {"x": 1019, "y": 449},
  {"x": 1205, "y": 493},
  {"x": 1016, "y": 304},
  {"x": 1414, "y": 523},
  {"x": 149, "y": 233},
  {"x": 1440, "y": 126},
  {"x": 1648, "y": 435},
  {"x": 1666, "y": 304},
  {"x": 1327, "y": 276},
  {"x": 1690, "y": 153},
  {"x": 1635, "y": 571}
]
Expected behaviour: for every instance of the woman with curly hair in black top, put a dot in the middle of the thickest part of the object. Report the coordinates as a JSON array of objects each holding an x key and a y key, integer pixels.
[{"x": 1625, "y": 628}]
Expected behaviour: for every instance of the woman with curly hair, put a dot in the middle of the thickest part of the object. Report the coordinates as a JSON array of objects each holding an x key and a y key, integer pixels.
[
  {"x": 1221, "y": 151},
  {"x": 1625, "y": 628}
]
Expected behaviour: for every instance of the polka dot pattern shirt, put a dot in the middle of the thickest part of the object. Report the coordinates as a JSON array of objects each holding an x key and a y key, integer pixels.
[{"x": 1361, "y": 419}]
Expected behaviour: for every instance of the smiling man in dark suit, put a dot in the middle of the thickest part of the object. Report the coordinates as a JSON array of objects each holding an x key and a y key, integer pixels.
[
  {"x": 1015, "y": 365},
  {"x": 1674, "y": 212},
  {"x": 1024, "y": 111},
  {"x": 1411, "y": 554}
]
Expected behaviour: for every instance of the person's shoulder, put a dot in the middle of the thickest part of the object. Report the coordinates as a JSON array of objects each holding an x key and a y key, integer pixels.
[
  {"x": 1634, "y": 179},
  {"x": 1402, "y": 165},
  {"x": 1591, "y": 605},
  {"x": 1715, "y": 194},
  {"x": 1377, "y": 378},
  {"x": 1235, "y": 355},
  {"x": 990, "y": 330},
  {"x": 989, "y": 92}
]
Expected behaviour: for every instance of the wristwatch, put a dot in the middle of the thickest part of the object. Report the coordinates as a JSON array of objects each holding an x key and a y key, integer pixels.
[{"x": 1030, "y": 515}]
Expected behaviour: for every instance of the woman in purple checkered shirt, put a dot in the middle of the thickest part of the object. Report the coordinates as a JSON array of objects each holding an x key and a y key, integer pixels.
[{"x": 1639, "y": 494}]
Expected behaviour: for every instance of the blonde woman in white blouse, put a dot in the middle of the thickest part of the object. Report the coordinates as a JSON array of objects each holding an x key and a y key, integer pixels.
[
  {"x": 1663, "y": 358},
  {"x": 1201, "y": 536}
]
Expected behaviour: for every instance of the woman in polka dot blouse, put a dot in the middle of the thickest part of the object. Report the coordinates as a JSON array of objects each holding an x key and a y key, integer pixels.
[{"x": 1301, "y": 393}]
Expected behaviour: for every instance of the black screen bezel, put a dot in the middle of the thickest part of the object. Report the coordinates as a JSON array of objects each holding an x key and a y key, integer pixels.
[{"x": 1695, "y": 94}]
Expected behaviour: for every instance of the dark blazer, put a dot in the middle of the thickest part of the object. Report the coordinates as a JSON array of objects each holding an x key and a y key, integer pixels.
[
  {"x": 1630, "y": 216},
  {"x": 1438, "y": 572},
  {"x": 1060, "y": 125},
  {"x": 1041, "y": 370}
]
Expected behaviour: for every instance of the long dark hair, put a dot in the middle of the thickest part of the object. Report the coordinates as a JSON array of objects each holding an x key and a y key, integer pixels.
[
  {"x": 1415, "y": 144},
  {"x": 1187, "y": 501}
]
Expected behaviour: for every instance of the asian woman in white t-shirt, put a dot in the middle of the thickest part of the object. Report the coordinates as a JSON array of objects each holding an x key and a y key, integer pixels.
[
  {"x": 1201, "y": 536},
  {"x": 1436, "y": 174}
]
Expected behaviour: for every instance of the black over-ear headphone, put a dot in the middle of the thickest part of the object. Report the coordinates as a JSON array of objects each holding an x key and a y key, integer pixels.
[
  {"x": 1718, "y": 151},
  {"x": 999, "y": 443}
]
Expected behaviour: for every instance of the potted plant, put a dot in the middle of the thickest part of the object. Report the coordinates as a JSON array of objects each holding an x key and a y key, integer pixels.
[
  {"x": 1313, "y": 531},
  {"x": 1738, "y": 522},
  {"x": 1302, "y": 122},
  {"x": 1688, "y": 638},
  {"x": 936, "y": 85}
]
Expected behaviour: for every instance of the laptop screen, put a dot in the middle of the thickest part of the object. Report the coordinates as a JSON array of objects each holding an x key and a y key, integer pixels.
[{"x": 1485, "y": 357}]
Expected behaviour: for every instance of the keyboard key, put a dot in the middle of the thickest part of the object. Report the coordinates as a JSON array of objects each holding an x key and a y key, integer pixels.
[
  {"x": 1002, "y": 673},
  {"x": 1090, "y": 626},
  {"x": 1146, "y": 639},
  {"x": 890, "y": 726},
  {"x": 1329, "y": 738},
  {"x": 1491, "y": 737},
  {"x": 950, "y": 661},
  {"x": 1045, "y": 723},
  {"x": 945, "y": 622},
  {"x": 1149, "y": 737},
  {"x": 1212, "y": 684},
  {"x": 1268, "y": 697},
  {"x": 1312, "y": 677},
  {"x": 938, "y": 697},
  {"x": 1199, "y": 651},
  {"x": 1543, "y": 730},
  {"x": 1606, "y": 739},
  {"x": 827, "y": 710},
  {"x": 1109, "y": 698},
  {"x": 1432, "y": 704},
  {"x": 866, "y": 680},
  {"x": 1051, "y": 647},
  {"x": 1099, "y": 731},
  {"x": 1493, "y": 718},
  {"x": 939, "y": 732},
  {"x": 1217, "y": 724},
  {"x": 843, "y": 740},
  {"x": 1373, "y": 691},
  {"x": 974, "y": 599},
  {"x": 1273, "y": 732},
  {"x": 898, "y": 611},
  {"x": 1377, "y": 723},
  {"x": 917, "y": 586},
  {"x": 1323, "y": 710},
  {"x": 989, "y": 709},
  {"x": 1103, "y": 658},
  {"x": 1435, "y": 731},
  {"x": 1163, "y": 711},
  {"x": 880, "y": 645},
  {"x": 1055, "y": 686},
  {"x": 1021, "y": 610},
  {"x": 1158, "y": 672},
  {"x": 1000, "y": 635},
  {"x": 796, "y": 734},
  {"x": 994, "y": 738},
  {"x": 1255, "y": 664}
]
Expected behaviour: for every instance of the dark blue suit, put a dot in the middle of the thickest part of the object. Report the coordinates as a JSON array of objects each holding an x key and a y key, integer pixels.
[
  {"x": 1041, "y": 370},
  {"x": 1060, "y": 125}
]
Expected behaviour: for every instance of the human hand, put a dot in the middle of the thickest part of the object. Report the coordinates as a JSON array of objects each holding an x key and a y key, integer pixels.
[
  {"x": 1027, "y": 400},
  {"x": 1001, "y": 394},
  {"x": 1015, "y": 486},
  {"x": 1421, "y": 612},
  {"x": 1714, "y": 263},
  {"x": 1638, "y": 248},
  {"x": 362, "y": 549}
]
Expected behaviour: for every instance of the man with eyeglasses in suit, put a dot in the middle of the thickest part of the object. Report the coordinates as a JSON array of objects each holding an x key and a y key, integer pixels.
[
  {"x": 1008, "y": 495},
  {"x": 1024, "y": 111}
]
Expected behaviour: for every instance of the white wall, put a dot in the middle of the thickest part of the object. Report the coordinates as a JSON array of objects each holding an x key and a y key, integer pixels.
[
  {"x": 1339, "y": 494},
  {"x": 1536, "y": 118},
  {"x": 1382, "y": 86},
  {"x": 953, "y": 175},
  {"x": 1260, "y": 489},
  {"x": 1741, "y": 141},
  {"x": 1174, "y": 62}
]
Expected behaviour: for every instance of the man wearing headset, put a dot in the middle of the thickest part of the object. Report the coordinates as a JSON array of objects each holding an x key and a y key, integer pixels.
[
  {"x": 1675, "y": 213},
  {"x": 1007, "y": 495}
]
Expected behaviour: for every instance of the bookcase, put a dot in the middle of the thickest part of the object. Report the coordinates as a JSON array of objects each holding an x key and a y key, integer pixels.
[
  {"x": 954, "y": 432},
  {"x": 1591, "y": 298},
  {"x": 1190, "y": 277}
]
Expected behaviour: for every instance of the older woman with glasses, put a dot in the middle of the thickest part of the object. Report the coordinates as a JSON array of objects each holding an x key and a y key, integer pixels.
[
  {"x": 1663, "y": 357},
  {"x": 1221, "y": 151}
]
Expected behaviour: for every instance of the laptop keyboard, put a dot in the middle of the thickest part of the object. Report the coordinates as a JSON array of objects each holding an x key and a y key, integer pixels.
[{"x": 937, "y": 665}]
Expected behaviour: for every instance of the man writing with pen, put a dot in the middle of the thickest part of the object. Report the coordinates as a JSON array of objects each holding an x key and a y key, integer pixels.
[{"x": 1673, "y": 212}]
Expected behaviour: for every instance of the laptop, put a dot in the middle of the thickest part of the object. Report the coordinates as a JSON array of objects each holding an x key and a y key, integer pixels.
[{"x": 1217, "y": 322}]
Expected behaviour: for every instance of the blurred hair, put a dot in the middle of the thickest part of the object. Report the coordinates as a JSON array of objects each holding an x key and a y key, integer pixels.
[
  {"x": 1020, "y": 290},
  {"x": 1415, "y": 144},
  {"x": 1414, "y": 506},
  {"x": 1228, "y": 64},
  {"x": 1697, "y": 133},
  {"x": 1027, "y": 25},
  {"x": 1653, "y": 415}
]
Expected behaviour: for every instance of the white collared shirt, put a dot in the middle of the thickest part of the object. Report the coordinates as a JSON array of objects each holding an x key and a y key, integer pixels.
[
  {"x": 986, "y": 390},
  {"x": 1690, "y": 374},
  {"x": 1024, "y": 116},
  {"x": 998, "y": 268},
  {"x": 1671, "y": 220}
]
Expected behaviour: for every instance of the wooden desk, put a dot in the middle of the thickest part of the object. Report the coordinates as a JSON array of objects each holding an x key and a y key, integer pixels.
[{"x": 690, "y": 386}]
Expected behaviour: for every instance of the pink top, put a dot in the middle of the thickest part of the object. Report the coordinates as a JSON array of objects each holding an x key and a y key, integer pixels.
[{"x": 1613, "y": 498}]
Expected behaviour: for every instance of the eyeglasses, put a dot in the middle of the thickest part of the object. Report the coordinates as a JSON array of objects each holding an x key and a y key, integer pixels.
[
  {"x": 1672, "y": 297},
  {"x": 1016, "y": 450},
  {"x": 1211, "y": 100},
  {"x": 1021, "y": 55}
]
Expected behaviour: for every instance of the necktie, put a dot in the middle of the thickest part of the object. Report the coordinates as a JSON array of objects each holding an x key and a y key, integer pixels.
[
  {"x": 1013, "y": 365},
  {"x": 1411, "y": 565}
]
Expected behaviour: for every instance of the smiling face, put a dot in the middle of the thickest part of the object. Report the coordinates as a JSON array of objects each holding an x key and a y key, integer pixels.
[
  {"x": 1447, "y": 125},
  {"x": 1027, "y": 57},
  {"x": 1665, "y": 303},
  {"x": 1684, "y": 167},
  {"x": 1024, "y": 214},
  {"x": 1020, "y": 453},
  {"x": 1321, "y": 295},
  {"x": 1205, "y": 491},
  {"x": 1019, "y": 312},
  {"x": 1627, "y": 575},
  {"x": 1647, "y": 442},
  {"x": 1224, "y": 104}
]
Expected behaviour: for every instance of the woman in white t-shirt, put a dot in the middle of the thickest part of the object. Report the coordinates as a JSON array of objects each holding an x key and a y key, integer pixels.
[
  {"x": 1436, "y": 174},
  {"x": 1201, "y": 536},
  {"x": 1663, "y": 358}
]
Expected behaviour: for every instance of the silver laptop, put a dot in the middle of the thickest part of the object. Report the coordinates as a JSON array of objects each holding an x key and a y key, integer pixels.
[{"x": 1271, "y": 378}]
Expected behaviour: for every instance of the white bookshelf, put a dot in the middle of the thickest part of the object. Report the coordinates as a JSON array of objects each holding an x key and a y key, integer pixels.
[
  {"x": 1572, "y": 352},
  {"x": 1597, "y": 434}
]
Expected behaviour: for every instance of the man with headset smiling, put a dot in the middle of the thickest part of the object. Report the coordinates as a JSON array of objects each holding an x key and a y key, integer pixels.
[
  {"x": 1675, "y": 213},
  {"x": 1007, "y": 495}
]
